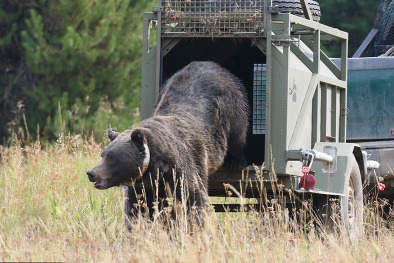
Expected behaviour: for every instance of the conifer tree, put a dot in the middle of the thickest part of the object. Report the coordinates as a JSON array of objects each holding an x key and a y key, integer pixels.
[{"x": 78, "y": 56}]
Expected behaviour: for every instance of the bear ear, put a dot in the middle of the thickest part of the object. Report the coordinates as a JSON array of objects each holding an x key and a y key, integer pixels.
[
  {"x": 112, "y": 134},
  {"x": 138, "y": 137}
]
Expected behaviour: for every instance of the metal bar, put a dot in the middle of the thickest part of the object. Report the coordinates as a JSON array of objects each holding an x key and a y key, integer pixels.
[
  {"x": 283, "y": 37},
  {"x": 301, "y": 31},
  {"x": 373, "y": 165},
  {"x": 168, "y": 44},
  {"x": 344, "y": 55},
  {"x": 317, "y": 191},
  {"x": 323, "y": 112},
  {"x": 283, "y": 100},
  {"x": 148, "y": 69},
  {"x": 296, "y": 20},
  {"x": 297, "y": 29},
  {"x": 343, "y": 115},
  {"x": 306, "y": 9},
  {"x": 267, "y": 18},
  {"x": 334, "y": 112},
  {"x": 324, "y": 58},
  {"x": 369, "y": 63},
  {"x": 318, "y": 156},
  {"x": 145, "y": 31},
  {"x": 366, "y": 42},
  {"x": 332, "y": 81},
  {"x": 268, "y": 35},
  {"x": 232, "y": 35},
  {"x": 148, "y": 16},
  {"x": 316, "y": 52},
  {"x": 301, "y": 56},
  {"x": 330, "y": 65},
  {"x": 316, "y": 117},
  {"x": 260, "y": 44},
  {"x": 343, "y": 92},
  {"x": 159, "y": 58}
]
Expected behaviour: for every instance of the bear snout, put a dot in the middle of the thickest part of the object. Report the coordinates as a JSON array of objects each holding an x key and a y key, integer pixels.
[{"x": 91, "y": 174}]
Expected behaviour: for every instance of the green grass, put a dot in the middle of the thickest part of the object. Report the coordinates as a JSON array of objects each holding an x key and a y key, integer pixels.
[{"x": 51, "y": 212}]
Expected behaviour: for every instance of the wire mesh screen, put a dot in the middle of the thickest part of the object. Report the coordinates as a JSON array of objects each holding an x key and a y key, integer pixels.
[
  {"x": 259, "y": 98},
  {"x": 212, "y": 18},
  {"x": 386, "y": 34}
]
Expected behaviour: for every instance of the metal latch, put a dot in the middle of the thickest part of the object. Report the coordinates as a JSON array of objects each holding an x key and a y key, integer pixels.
[
  {"x": 372, "y": 166},
  {"x": 308, "y": 181}
]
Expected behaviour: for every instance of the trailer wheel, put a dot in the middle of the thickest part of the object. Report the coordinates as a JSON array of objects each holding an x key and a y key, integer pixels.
[
  {"x": 352, "y": 203},
  {"x": 347, "y": 211}
]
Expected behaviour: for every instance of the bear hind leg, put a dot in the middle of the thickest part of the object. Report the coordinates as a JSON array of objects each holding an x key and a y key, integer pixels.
[{"x": 235, "y": 158}]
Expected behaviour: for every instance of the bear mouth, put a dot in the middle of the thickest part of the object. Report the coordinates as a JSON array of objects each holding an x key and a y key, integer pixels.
[{"x": 102, "y": 185}]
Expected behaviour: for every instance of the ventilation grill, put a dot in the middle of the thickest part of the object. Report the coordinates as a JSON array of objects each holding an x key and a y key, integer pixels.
[{"x": 259, "y": 98}]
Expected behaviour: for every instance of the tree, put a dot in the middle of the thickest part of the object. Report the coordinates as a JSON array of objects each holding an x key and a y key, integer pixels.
[
  {"x": 78, "y": 57},
  {"x": 353, "y": 16}
]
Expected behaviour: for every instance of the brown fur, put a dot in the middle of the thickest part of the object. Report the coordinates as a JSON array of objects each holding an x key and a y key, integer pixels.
[{"x": 199, "y": 123}]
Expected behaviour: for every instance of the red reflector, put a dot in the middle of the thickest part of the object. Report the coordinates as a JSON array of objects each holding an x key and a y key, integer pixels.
[{"x": 308, "y": 181}]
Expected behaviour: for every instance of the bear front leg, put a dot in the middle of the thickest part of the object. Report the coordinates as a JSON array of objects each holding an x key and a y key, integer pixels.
[
  {"x": 138, "y": 202},
  {"x": 130, "y": 208},
  {"x": 198, "y": 203}
]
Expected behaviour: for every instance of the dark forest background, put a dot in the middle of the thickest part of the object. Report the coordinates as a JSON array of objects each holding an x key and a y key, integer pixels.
[{"x": 75, "y": 66}]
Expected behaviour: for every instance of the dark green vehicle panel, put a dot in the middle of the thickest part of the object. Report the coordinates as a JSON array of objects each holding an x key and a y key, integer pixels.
[{"x": 371, "y": 99}]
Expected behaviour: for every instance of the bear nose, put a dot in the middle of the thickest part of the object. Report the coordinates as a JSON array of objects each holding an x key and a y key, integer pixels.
[{"x": 91, "y": 175}]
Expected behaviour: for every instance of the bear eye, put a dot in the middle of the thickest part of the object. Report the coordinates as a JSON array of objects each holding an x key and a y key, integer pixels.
[{"x": 109, "y": 157}]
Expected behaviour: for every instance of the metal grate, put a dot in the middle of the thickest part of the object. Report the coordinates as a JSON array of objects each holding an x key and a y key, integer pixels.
[
  {"x": 212, "y": 18},
  {"x": 259, "y": 98}
]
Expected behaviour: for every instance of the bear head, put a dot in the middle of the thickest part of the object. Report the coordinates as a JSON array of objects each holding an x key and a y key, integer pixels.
[{"x": 125, "y": 159}]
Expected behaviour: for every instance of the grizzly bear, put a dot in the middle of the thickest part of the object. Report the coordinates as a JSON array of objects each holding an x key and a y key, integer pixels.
[{"x": 199, "y": 123}]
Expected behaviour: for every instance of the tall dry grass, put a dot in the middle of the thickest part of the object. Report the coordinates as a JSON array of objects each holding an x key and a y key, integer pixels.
[{"x": 50, "y": 212}]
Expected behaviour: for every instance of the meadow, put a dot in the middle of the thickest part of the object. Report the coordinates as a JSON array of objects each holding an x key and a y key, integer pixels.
[{"x": 51, "y": 212}]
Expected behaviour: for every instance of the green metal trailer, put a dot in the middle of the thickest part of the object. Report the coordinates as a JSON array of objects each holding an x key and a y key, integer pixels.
[{"x": 298, "y": 96}]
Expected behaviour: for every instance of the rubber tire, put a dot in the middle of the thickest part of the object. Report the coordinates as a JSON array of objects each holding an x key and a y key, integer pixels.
[
  {"x": 352, "y": 203},
  {"x": 347, "y": 212},
  {"x": 284, "y": 6},
  {"x": 294, "y": 7}
]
